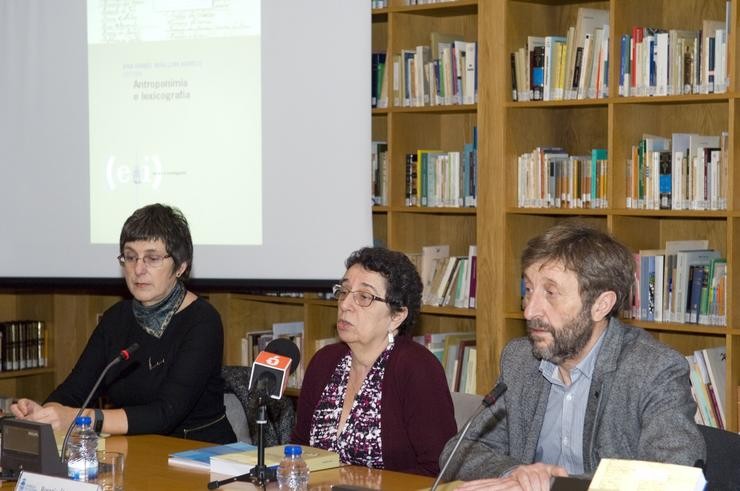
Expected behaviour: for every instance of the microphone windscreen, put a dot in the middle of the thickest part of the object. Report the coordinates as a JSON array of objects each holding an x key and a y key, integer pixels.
[{"x": 285, "y": 347}]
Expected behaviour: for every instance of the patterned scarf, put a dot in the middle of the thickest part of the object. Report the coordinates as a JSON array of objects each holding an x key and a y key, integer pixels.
[{"x": 154, "y": 319}]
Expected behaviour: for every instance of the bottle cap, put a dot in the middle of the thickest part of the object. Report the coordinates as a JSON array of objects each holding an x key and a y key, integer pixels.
[
  {"x": 292, "y": 450},
  {"x": 82, "y": 420}
]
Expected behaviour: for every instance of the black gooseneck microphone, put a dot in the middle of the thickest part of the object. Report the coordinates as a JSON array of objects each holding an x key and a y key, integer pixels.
[
  {"x": 488, "y": 401},
  {"x": 263, "y": 381},
  {"x": 124, "y": 355}
]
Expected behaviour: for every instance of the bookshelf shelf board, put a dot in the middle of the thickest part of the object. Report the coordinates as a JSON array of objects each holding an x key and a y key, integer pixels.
[
  {"x": 449, "y": 311},
  {"x": 426, "y": 210},
  {"x": 558, "y": 211},
  {"x": 689, "y": 98},
  {"x": 451, "y": 8},
  {"x": 670, "y": 213},
  {"x": 380, "y": 209},
  {"x": 559, "y": 104},
  {"x": 273, "y": 298},
  {"x": 441, "y": 109},
  {"x": 379, "y": 111},
  {"x": 678, "y": 327},
  {"x": 31, "y": 372}
]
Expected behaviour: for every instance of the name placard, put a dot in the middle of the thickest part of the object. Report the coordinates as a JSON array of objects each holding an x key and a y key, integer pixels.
[{"x": 30, "y": 481}]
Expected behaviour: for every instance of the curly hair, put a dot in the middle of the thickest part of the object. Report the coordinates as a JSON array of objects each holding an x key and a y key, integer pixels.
[
  {"x": 600, "y": 262},
  {"x": 404, "y": 283},
  {"x": 165, "y": 223}
]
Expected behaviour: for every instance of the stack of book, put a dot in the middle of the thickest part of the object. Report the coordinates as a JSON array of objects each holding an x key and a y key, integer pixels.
[
  {"x": 22, "y": 345},
  {"x": 557, "y": 67},
  {"x": 685, "y": 172},
  {"x": 660, "y": 62},
  {"x": 458, "y": 355},
  {"x": 447, "y": 280},
  {"x": 708, "y": 385},
  {"x": 685, "y": 282},
  {"x": 239, "y": 458},
  {"x": 548, "y": 177}
]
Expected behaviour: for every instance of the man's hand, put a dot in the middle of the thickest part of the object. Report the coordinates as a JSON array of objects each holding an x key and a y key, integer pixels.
[{"x": 533, "y": 477}]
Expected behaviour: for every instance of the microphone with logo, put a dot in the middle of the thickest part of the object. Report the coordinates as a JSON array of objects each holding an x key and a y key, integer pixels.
[
  {"x": 268, "y": 378},
  {"x": 488, "y": 401},
  {"x": 124, "y": 355}
]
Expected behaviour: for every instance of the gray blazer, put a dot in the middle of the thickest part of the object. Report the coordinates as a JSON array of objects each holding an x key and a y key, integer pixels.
[{"x": 640, "y": 407}]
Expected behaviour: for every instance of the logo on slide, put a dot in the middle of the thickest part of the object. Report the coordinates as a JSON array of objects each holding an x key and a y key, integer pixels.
[{"x": 147, "y": 173}]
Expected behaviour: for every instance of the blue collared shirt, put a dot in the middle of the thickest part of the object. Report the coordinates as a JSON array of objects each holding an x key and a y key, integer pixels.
[{"x": 561, "y": 437}]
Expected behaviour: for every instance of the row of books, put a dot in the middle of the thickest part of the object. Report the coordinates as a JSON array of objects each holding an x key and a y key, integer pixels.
[
  {"x": 660, "y": 62},
  {"x": 447, "y": 280},
  {"x": 256, "y": 341},
  {"x": 551, "y": 178},
  {"x": 23, "y": 345},
  {"x": 379, "y": 172},
  {"x": 378, "y": 4},
  {"x": 685, "y": 282},
  {"x": 457, "y": 353},
  {"x": 435, "y": 178},
  {"x": 708, "y": 385},
  {"x": 442, "y": 73},
  {"x": 557, "y": 67},
  {"x": 684, "y": 172}
]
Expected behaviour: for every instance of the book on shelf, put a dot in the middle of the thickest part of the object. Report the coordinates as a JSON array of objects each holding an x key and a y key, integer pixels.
[
  {"x": 715, "y": 362},
  {"x": 200, "y": 458},
  {"x": 431, "y": 256},
  {"x": 237, "y": 463},
  {"x": 452, "y": 355},
  {"x": 23, "y": 345},
  {"x": 294, "y": 332},
  {"x": 706, "y": 413}
]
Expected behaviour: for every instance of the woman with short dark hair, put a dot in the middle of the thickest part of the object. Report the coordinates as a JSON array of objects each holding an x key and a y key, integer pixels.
[{"x": 172, "y": 385}]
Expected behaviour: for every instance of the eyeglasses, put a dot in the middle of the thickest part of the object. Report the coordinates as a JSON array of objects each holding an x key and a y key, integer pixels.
[
  {"x": 149, "y": 260},
  {"x": 363, "y": 299}
]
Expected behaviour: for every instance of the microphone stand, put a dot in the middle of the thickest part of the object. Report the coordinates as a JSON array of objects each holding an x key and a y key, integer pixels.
[
  {"x": 260, "y": 474},
  {"x": 115, "y": 361}
]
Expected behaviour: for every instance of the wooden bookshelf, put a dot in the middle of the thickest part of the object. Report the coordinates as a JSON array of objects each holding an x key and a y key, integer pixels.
[
  {"x": 407, "y": 129},
  {"x": 509, "y": 129}
]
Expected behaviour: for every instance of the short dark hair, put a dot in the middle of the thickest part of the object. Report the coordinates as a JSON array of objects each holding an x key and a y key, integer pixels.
[
  {"x": 403, "y": 281},
  {"x": 165, "y": 223},
  {"x": 600, "y": 262}
]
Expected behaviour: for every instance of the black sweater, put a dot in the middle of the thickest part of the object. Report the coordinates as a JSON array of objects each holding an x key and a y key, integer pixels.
[{"x": 171, "y": 385}]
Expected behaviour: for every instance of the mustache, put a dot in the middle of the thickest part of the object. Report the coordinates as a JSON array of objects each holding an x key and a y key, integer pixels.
[{"x": 540, "y": 325}]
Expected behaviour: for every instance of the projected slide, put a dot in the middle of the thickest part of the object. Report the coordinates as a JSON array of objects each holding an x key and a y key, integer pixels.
[{"x": 175, "y": 115}]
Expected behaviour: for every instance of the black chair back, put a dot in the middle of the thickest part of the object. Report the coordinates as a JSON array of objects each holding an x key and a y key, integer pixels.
[{"x": 722, "y": 468}]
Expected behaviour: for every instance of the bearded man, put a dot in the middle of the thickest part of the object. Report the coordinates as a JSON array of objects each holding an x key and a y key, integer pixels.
[{"x": 582, "y": 386}]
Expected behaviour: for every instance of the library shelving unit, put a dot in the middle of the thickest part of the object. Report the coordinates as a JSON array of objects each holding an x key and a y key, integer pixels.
[
  {"x": 614, "y": 123},
  {"x": 408, "y": 129}
]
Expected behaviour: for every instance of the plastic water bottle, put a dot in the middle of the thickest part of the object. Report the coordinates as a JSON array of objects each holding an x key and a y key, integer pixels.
[
  {"x": 292, "y": 473},
  {"x": 82, "y": 459}
]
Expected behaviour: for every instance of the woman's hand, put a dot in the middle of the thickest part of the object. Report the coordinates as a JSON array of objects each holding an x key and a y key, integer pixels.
[{"x": 58, "y": 416}]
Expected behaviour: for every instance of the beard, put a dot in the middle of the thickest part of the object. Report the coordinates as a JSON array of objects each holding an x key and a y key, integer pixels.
[{"x": 567, "y": 342}]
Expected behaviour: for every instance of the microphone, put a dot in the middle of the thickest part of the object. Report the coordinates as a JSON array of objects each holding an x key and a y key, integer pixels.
[
  {"x": 488, "y": 401},
  {"x": 123, "y": 355},
  {"x": 272, "y": 367}
]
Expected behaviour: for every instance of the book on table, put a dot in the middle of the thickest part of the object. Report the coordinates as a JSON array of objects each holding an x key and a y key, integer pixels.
[
  {"x": 237, "y": 463},
  {"x": 200, "y": 458}
]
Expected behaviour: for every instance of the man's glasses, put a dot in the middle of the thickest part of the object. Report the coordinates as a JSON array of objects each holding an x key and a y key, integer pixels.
[
  {"x": 363, "y": 299},
  {"x": 149, "y": 260}
]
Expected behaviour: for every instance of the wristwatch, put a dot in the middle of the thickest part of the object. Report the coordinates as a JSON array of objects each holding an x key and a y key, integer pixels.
[{"x": 98, "y": 420}]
